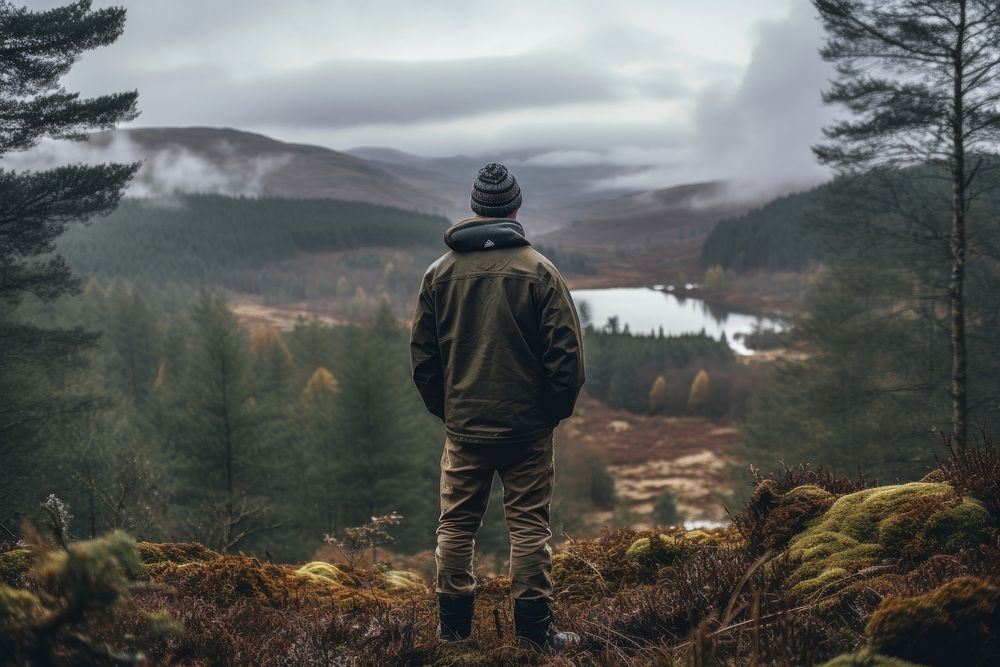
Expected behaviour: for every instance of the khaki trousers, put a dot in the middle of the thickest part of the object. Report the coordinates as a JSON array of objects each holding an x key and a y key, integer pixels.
[{"x": 526, "y": 471}]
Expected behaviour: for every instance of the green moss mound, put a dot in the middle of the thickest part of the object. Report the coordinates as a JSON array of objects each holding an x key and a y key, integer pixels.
[
  {"x": 14, "y": 565},
  {"x": 956, "y": 624},
  {"x": 393, "y": 581},
  {"x": 73, "y": 615},
  {"x": 92, "y": 574},
  {"x": 226, "y": 580},
  {"x": 176, "y": 553},
  {"x": 667, "y": 549},
  {"x": 401, "y": 580},
  {"x": 868, "y": 659},
  {"x": 467, "y": 659},
  {"x": 862, "y": 529},
  {"x": 659, "y": 549},
  {"x": 322, "y": 570}
]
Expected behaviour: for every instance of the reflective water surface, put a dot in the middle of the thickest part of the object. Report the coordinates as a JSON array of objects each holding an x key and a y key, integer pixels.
[{"x": 645, "y": 310}]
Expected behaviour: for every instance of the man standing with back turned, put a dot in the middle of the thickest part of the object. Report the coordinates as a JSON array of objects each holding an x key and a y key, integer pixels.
[{"x": 497, "y": 354}]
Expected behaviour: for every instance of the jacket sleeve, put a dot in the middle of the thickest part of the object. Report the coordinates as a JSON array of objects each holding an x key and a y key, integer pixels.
[
  {"x": 425, "y": 356},
  {"x": 562, "y": 346}
]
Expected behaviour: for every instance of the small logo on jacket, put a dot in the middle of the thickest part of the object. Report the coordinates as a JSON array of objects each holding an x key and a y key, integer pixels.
[{"x": 489, "y": 244}]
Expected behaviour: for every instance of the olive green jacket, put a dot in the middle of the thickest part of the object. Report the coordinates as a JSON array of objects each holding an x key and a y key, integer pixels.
[{"x": 496, "y": 346}]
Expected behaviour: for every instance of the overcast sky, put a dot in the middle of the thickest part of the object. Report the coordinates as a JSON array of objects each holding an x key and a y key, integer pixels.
[{"x": 690, "y": 90}]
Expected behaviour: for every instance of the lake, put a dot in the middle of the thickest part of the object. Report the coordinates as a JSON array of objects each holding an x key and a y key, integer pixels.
[{"x": 645, "y": 310}]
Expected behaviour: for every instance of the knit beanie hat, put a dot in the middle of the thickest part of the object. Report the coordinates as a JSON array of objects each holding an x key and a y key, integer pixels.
[{"x": 495, "y": 193}]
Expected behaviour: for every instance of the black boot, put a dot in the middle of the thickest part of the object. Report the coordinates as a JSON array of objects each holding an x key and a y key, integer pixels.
[
  {"x": 455, "y": 622},
  {"x": 533, "y": 622}
]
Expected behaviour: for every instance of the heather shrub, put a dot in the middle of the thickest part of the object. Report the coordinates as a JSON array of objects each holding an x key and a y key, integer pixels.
[{"x": 973, "y": 472}]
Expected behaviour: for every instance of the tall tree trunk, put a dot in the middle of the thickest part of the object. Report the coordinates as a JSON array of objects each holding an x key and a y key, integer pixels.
[
  {"x": 956, "y": 287},
  {"x": 956, "y": 293},
  {"x": 228, "y": 441}
]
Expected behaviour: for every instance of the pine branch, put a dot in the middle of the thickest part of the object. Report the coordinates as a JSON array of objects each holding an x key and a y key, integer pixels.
[
  {"x": 39, "y": 47},
  {"x": 60, "y": 115}
]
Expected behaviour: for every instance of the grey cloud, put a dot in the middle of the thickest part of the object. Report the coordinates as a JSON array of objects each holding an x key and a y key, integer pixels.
[
  {"x": 351, "y": 93},
  {"x": 207, "y": 71},
  {"x": 756, "y": 135},
  {"x": 594, "y": 135},
  {"x": 167, "y": 172},
  {"x": 356, "y": 93},
  {"x": 760, "y": 134}
]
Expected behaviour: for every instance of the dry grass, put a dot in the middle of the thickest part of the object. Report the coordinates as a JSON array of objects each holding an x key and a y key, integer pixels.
[{"x": 650, "y": 597}]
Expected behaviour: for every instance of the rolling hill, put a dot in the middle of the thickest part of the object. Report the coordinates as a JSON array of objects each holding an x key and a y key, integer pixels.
[
  {"x": 553, "y": 195},
  {"x": 231, "y": 161},
  {"x": 632, "y": 236},
  {"x": 645, "y": 237},
  {"x": 234, "y": 162},
  {"x": 800, "y": 229},
  {"x": 557, "y": 196}
]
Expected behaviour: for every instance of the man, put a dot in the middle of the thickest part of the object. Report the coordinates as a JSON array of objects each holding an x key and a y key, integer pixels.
[{"x": 497, "y": 354}]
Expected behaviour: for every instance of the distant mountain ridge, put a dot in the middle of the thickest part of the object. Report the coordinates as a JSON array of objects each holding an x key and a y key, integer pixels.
[
  {"x": 664, "y": 227},
  {"x": 562, "y": 206},
  {"x": 551, "y": 193},
  {"x": 234, "y": 162},
  {"x": 270, "y": 166}
]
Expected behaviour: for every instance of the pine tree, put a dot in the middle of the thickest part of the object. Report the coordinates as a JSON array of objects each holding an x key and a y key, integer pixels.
[
  {"x": 311, "y": 344},
  {"x": 922, "y": 82},
  {"x": 281, "y": 443},
  {"x": 625, "y": 389},
  {"x": 272, "y": 362},
  {"x": 869, "y": 393},
  {"x": 698, "y": 396},
  {"x": 658, "y": 395},
  {"x": 390, "y": 445},
  {"x": 321, "y": 383},
  {"x": 37, "y": 48},
  {"x": 665, "y": 511},
  {"x": 374, "y": 419},
  {"x": 715, "y": 277},
  {"x": 110, "y": 477},
  {"x": 132, "y": 338},
  {"x": 343, "y": 287},
  {"x": 324, "y": 442},
  {"x": 220, "y": 436}
]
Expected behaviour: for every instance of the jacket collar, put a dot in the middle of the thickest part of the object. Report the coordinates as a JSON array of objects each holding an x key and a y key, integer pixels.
[{"x": 479, "y": 233}]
